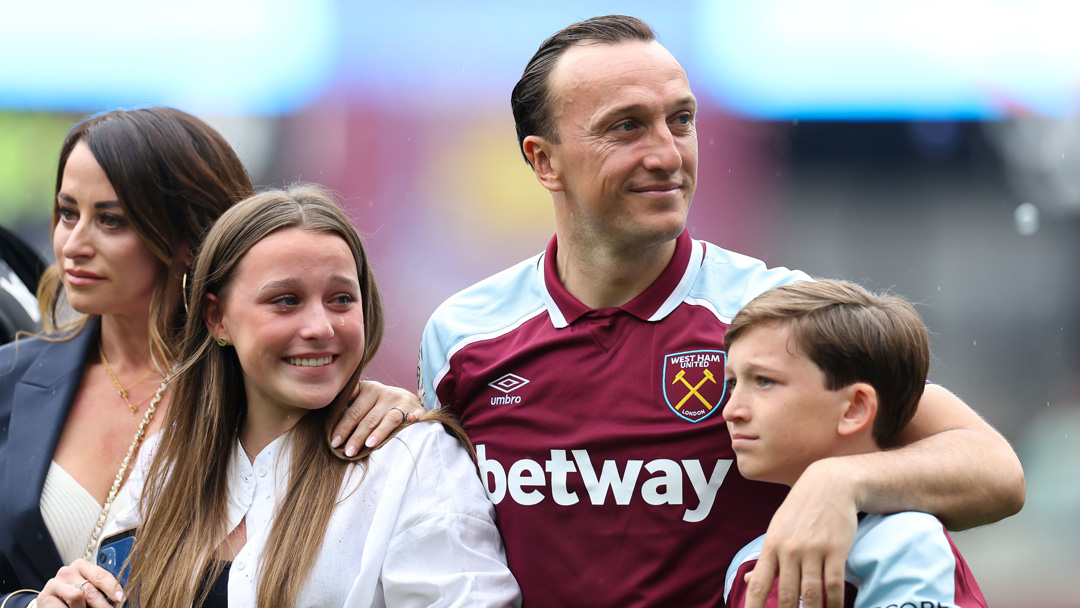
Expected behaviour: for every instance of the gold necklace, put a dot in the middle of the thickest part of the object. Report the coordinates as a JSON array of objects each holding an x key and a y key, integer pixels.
[
  {"x": 104, "y": 515},
  {"x": 243, "y": 447},
  {"x": 134, "y": 407}
]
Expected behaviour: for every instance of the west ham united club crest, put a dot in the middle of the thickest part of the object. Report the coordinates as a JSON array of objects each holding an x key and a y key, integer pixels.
[{"x": 694, "y": 383}]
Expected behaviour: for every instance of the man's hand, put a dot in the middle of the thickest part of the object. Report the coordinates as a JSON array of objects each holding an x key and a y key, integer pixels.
[
  {"x": 374, "y": 413},
  {"x": 808, "y": 541}
]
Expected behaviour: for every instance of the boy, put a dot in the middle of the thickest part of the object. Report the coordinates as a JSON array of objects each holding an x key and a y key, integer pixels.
[{"x": 822, "y": 369}]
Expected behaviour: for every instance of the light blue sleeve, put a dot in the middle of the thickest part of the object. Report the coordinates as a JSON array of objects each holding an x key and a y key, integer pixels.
[
  {"x": 902, "y": 559},
  {"x": 486, "y": 310},
  {"x": 730, "y": 280},
  {"x": 750, "y": 552}
]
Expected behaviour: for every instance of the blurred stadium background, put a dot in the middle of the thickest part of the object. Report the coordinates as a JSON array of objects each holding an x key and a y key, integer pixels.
[{"x": 928, "y": 147}]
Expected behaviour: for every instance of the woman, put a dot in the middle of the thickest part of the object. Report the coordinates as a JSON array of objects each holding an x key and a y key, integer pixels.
[
  {"x": 245, "y": 489},
  {"x": 135, "y": 192}
]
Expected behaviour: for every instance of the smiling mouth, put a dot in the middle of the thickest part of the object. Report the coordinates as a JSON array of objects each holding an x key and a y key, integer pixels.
[
  {"x": 657, "y": 189},
  {"x": 309, "y": 362}
]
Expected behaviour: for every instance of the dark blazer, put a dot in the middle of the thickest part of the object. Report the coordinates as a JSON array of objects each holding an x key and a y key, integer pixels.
[{"x": 38, "y": 382}]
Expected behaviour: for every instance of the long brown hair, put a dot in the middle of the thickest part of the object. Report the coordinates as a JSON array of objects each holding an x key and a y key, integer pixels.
[
  {"x": 174, "y": 175},
  {"x": 185, "y": 499}
]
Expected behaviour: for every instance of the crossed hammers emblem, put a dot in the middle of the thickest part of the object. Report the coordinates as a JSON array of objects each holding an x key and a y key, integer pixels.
[{"x": 694, "y": 388}]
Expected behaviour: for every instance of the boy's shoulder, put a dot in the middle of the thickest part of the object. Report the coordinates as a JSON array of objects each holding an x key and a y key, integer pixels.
[
  {"x": 898, "y": 558},
  {"x": 909, "y": 557},
  {"x": 881, "y": 540}
]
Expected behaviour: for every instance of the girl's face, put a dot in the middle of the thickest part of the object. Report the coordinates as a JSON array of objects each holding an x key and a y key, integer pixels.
[
  {"x": 105, "y": 267},
  {"x": 293, "y": 312}
]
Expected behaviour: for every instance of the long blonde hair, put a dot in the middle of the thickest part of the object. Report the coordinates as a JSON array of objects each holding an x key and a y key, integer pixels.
[
  {"x": 173, "y": 175},
  {"x": 185, "y": 499}
]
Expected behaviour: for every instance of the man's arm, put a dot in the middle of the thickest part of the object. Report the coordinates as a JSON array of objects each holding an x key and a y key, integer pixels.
[
  {"x": 951, "y": 463},
  {"x": 376, "y": 410}
]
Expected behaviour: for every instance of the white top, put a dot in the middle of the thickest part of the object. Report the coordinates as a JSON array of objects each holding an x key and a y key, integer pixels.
[
  {"x": 70, "y": 512},
  {"x": 418, "y": 530}
]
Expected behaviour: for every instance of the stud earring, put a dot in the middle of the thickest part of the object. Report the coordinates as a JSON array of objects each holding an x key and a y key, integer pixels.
[{"x": 222, "y": 341}]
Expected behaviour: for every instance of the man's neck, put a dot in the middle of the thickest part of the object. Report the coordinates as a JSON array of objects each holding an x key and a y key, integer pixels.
[{"x": 601, "y": 278}]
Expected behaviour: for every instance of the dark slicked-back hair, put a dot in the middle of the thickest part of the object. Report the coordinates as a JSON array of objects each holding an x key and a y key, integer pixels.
[
  {"x": 853, "y": 336},
  {"x": 531, "y": 98}
]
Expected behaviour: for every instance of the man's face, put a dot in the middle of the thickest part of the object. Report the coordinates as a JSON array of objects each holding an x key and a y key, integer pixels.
[
  {"x": 780, "y": 415},
  {"x": 625, "y": 168}
]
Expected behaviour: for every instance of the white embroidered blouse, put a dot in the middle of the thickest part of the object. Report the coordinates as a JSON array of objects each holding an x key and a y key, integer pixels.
[{"x": 416, "y": 530}]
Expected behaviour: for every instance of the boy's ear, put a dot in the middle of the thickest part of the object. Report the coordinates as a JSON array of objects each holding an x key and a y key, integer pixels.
[
  {"x": 214, "y": 323},
  {"x": 859, "y": 410}
]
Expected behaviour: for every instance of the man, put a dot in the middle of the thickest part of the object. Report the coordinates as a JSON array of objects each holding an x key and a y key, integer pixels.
[{"x": 590, "y": 377}]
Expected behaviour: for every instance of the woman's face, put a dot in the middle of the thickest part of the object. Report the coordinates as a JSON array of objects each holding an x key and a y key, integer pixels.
[
  {"x": 105, "y": 267},
  {"x": 293, "y": 312}
]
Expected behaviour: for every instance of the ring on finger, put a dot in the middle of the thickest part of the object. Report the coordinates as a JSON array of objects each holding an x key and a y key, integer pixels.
[
  {"x": 79, "y": 585},
  {"x": 404, "y": 416}
]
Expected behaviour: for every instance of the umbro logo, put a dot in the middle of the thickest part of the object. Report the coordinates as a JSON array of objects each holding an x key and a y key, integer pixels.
[{"x": 507, "y": 384}]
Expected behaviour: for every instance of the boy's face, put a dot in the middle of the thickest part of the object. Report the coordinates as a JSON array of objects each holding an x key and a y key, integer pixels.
[{"x": 780, "y": 415}]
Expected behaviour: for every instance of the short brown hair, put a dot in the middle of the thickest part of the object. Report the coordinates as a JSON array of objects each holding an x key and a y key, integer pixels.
[
  {"x": 852, "y": 335},
  {"x": 531, "y": 97}
]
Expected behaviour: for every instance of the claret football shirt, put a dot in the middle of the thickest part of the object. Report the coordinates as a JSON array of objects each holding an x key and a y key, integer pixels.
[{"x": 599, "y": 432}]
